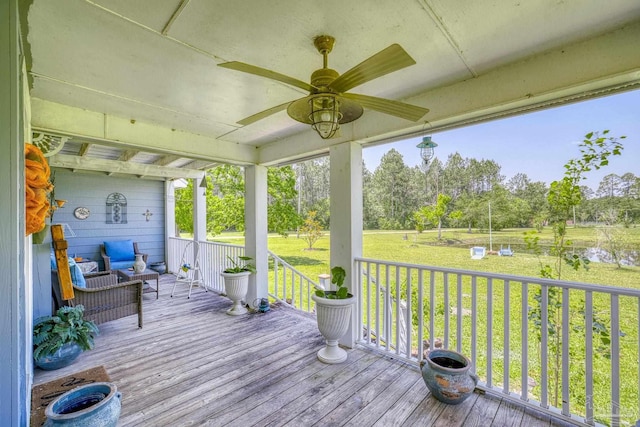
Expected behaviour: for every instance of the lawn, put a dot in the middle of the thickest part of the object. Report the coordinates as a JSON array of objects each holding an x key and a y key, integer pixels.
[{"x": 452, "y": 251}]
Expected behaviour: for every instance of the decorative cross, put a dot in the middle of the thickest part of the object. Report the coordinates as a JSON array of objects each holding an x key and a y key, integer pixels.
[{"x": 148, "y": 214}]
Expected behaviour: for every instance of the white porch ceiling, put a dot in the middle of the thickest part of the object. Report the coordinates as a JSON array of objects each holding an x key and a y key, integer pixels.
[{"x": 142, "y": 75}]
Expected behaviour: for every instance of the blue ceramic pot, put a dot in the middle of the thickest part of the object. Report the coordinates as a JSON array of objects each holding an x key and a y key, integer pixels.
[
  {"x": 61, "y": 358},
  {"x": 446, "y": 374},
  {"x": 95, "y": 405}
]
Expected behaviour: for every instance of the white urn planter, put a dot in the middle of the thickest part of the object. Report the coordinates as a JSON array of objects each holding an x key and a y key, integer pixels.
[
  {"x": 333, "y": 316},
  {"x": 236, "y": 286}
]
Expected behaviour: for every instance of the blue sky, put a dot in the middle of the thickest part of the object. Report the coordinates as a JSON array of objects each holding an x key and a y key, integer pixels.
[{"x": 538, "y": 143}]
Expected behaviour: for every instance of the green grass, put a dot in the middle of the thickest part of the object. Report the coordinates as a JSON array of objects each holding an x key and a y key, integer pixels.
[{"x": 425, "y": 249}]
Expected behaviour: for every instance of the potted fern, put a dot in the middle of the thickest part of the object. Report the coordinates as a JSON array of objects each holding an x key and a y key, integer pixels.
[
  {"x": 236, "y": 283},
  {"x": 59, "y": 339},
  {"x": 333, "y": 313}
]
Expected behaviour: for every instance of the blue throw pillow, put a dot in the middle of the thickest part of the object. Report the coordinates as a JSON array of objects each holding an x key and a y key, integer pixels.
[
  {"x": 76, "y": 274},
  {"x": 54, "y": 263},
  {"x": 120, "y": 250}
]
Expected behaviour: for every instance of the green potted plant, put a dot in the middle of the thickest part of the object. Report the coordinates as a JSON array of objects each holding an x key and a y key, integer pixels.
[
  {"x": 236, "y": 283},
  {"x": 59, "y": 339},
  {"x": 333, "y": 313}
]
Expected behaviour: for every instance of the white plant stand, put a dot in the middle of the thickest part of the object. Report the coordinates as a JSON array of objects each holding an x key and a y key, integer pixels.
[
  {"x": 333, "y": 317},
  {"x": 236, "y": 286}
]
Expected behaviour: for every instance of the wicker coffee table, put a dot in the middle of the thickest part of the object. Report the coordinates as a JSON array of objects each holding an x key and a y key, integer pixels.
[{"x": 127, "y": 275}]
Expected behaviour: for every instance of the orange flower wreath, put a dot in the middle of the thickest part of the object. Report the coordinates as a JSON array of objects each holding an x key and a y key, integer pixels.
[{"x": 37, "y": 188}]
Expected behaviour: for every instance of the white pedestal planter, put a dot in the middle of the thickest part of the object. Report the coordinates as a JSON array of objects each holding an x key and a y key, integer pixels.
[
  {"x": 333, "y": 321},
  {"x": 236, "y": 286}
]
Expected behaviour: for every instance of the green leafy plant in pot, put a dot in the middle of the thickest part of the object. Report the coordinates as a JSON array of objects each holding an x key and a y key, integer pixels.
[
  {"x": 236, "y": 283},
  {"x": 59, "y": 339},
  {"x": 333, "y": 313}
]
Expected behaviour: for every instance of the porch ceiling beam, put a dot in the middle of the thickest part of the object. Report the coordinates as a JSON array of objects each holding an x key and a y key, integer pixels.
[
  {"x": 84, "y": 149},
  {"x": 166, "y": 160},
  {"x": 111, "y": 167},
  {"x": 128, "y": 155},
  {"x": 597, "y": 66},
  {"x": 105, "y": 129}
]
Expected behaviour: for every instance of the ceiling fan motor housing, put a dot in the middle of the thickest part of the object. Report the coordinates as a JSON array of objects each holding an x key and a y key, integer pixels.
[{"x": 322, "y": 78}]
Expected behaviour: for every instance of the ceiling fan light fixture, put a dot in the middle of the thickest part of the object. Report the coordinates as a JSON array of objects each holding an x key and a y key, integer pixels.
[{"x": 325, "y": 115}]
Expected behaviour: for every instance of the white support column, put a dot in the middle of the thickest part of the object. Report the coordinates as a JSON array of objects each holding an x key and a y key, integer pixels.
[
  {"x": 255, "y": 219},
  {"x": 199, "y": 211},
  {"x": 16, "y": 287},
  {"x": 169, "y": 216},
  {"x": 346, "y": 218},
  {"x": 169, "y": 210}
]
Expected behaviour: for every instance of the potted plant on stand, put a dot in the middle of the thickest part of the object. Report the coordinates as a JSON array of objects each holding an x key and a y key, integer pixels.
[
  {"x": 333, "y": 311},
  {"x": 236, "y": 283},
  {"x": 58, "y": 340}
]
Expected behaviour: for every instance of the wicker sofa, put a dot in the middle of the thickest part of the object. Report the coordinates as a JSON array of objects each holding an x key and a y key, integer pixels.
[{"x": 104, "y": 299}]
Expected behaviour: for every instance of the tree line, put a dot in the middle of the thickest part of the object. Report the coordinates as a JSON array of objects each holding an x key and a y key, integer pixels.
[{"x": 455, "y": 193}]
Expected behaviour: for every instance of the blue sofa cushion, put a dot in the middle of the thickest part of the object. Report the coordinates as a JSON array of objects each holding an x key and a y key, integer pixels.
[
  {"x": 120, "y": 250},
  {"x": 121, "y": 265}
]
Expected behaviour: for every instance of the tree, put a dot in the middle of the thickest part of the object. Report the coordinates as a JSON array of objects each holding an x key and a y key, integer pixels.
[
  {"x": 564, "y": 196},
  {"x": 390, "y": 184},
  {"x": 311, "y": 230},
  {"x": 433, "y": 214},
  {"x": 282, "y": 214},
  {"x": 184, "y": 208}
]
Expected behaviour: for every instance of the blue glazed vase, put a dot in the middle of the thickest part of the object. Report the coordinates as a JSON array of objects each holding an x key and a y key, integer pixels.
[
  {"x": 61, "y": 358},
  {"x": 447, "y": 376},
  {"x": 95, "y": 405}
]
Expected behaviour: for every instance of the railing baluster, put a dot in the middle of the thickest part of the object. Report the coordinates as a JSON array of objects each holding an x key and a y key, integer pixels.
[
  {"x": 447, "y": 310},
  {"x": 388, "y": 310},
  {"x": 407, "y": 321},
  {"x": 276, "y": 280},
  {"x": 615, "y": 361},
  {"x": 294, "y": 294},
  {"x": 524, "y": 340},
  {"x": 376, "y": 288},
  {"x": 368, "y": 294},
  {"x": 565, "y": 352},
  {"x": 489, "y": 332},
  {"x": 398, "y": 315},
  {"x": 474, "y": 323},
  {"x": 432, "y": 310},
  {"x": 506, "y": 335},
  {"x": 588, "y": 357},
  {"x": 420, "y": 315},
  {"x": 459, "y": 319},
  {"x": 544, "y": 347}
]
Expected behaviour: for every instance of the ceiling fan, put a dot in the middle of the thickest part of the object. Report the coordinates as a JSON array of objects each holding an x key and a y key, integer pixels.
[{"x": 328, "y": 104}]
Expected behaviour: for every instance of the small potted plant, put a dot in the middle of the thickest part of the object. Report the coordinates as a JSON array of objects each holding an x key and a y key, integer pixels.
[
  {"x": 236, "y": 283},
  {"x": 58, "y": 340},
  {"x": 333, "y": 313}
]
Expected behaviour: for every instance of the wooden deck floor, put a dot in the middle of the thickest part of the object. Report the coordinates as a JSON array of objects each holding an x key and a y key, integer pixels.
[{"x": 191, "y": 364}]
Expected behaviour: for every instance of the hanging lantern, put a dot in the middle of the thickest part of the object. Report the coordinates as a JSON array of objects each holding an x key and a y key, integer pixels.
[{"x": 427, "y": 149}]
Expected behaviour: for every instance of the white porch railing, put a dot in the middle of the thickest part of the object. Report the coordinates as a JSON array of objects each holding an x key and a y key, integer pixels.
[
  {"x": 286, "y": 284},
  {"x": 546, "y": 343},
  {"x": 214, "y": 259}
]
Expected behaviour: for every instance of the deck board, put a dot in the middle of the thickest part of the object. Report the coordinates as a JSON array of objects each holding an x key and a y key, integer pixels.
[{"x": 191, "y": 364}]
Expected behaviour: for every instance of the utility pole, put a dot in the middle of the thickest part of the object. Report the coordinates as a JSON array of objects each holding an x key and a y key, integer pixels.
[{"x": 490, "y": 236}]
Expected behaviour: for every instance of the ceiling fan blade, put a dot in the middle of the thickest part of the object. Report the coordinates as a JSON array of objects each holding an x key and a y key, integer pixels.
[
  {"x": 263, "y": 72},
  {"x": 384, "y": 62},
  {"x": 388, "y": 106},
  {"x": 263, "y": 114}
]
